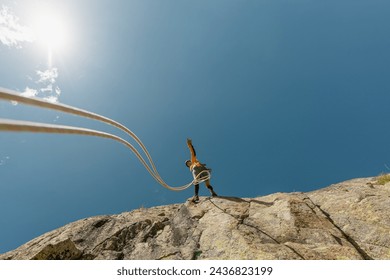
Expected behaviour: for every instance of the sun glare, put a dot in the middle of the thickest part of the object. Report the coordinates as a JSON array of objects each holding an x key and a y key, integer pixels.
[{"x": 51, "y": 31}]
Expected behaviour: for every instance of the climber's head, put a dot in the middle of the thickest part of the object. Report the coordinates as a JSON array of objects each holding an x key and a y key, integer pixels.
[{"x": 188, "y": 163}]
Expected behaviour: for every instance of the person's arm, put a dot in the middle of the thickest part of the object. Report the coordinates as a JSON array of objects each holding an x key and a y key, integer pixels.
[{"x": 192, "y": 150}]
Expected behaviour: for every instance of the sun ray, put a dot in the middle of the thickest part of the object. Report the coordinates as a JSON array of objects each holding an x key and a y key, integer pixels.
[{"x": 51, "y": 32}]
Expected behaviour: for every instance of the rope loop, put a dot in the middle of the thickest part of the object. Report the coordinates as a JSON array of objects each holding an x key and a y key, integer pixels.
[{"x": 201, "y": 178}]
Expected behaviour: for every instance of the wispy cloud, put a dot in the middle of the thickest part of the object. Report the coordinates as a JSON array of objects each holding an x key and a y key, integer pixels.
[
  {"x": 12, "y": 33},
  {"x": 47, "y": 83},
  {"x": 45, "y": 86},
  {"x": 29, "y": 92},
  {"x": 48, "y": 76}
]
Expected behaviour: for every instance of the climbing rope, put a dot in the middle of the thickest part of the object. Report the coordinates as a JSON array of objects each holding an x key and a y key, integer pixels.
[
  {"x": 201, "y": 178},
  {"x": 24, "y": 126}
]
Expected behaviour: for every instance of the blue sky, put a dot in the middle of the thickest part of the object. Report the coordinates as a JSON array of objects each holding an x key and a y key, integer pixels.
[{"x": 278, "y": 96}]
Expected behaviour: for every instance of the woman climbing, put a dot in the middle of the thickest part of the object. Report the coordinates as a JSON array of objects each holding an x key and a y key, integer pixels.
[{"x": 200, "y": 172}]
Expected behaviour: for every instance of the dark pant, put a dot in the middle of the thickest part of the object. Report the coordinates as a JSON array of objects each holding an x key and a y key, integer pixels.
[{"x": 207, "y": 182}]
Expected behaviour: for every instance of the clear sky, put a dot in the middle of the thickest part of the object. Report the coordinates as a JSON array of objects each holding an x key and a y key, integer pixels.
[{"x": 277, "y": 96}]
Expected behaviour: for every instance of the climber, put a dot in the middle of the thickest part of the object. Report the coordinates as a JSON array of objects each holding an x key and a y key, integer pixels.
[{"x": 200, "y": 172}]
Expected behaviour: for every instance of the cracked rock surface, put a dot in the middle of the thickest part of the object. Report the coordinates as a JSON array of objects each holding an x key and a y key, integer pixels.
[{"x": 349, "y": 220}]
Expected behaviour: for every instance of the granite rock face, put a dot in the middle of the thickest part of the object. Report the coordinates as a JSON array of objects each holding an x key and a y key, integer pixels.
[{"x": 349, "y": 220}]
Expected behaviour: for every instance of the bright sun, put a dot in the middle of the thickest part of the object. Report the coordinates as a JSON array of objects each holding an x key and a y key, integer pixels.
[{"x": 51, "y": 31}]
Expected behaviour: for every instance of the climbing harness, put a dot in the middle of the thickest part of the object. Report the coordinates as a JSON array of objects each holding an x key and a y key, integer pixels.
[{"x": 26, "y": 126}]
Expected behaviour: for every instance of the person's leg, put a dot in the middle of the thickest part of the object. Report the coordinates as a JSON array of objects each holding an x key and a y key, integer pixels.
[
  {"x": 207, "y": 182},
  {"x": 196, "y": 196}
]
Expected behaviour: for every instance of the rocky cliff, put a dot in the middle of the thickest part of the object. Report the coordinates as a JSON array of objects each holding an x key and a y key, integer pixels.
[{"x": 349, "y": 220}]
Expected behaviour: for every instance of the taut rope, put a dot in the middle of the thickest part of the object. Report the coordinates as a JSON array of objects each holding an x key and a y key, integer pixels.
[{"x": 24, "y": 126}]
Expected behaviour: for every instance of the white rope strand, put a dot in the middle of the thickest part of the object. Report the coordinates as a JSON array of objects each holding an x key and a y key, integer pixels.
[
  {"x": 24, "y": 126},
  {"x": 15, "y": 96},
  {"x": 13, "y": 125},
  {"x": 201, "y": 178}
]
